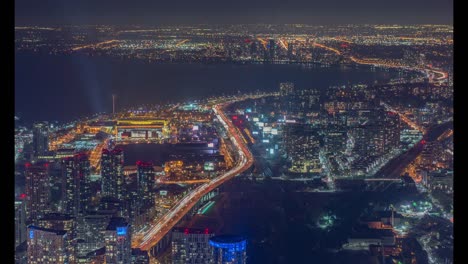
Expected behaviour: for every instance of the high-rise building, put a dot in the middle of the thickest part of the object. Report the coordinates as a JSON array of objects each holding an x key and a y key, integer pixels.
[
  {"x": 335, "y": 140},
  {"x": 191, "y": 246},
  {"x": 90, "y": 232},
  {"x": 253, "y": 49},
  {"x": 392, "y": 128},
  {"x": 302, "y": 147},
  {"x": 47, "y": 246},
  {"x": 20, "y": 223},
  {"x": 113, "y": 181},
  {"x": 37, "y": 191},
  {"x": 145, "y": 180},
  {"x": 118, "y": 242},
  {"x": 75, "y": 184},
  {"x": 286, "y": 88},
  {"x": 229, "y": 249},
  {"x": 290, "y": 50},
  {"x": 40, "y": 138},
  {"x": 57, "y": 221},
  {"x": 272, "y": 49},
  {"x": 377, "y": 135}
]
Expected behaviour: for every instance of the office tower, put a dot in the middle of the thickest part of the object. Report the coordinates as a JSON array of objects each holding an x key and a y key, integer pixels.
[
  {"x": 302, "y": 147},
  {"x": 75, "y": 184},
  {"x": 229, "y": 249},
  {"x": 290, "y": 50},
  {"x": 392, "y": 130},
  {"x": 67, "y": 223},
  {"x": 253, "y": 49},
  {"x": 272, "y": 49},
  {"x": 90, "y": 232},
  {"x": 115, "y": 205},
  {"x": 47, "y": 246},
  {"x": 378, "y": 134},
  {"x": 20, "y": 223},
  {"x": 145, "y": 182},
  {"x": 40, "y": 138},
  {"x": 335, "y": 140},
  {"x": 366, "y": 140},
  {"x": 191, "y": 246},
  {"x": 37, "y": 191},
  {"x": 118, "y": 242},
  {"x": 57, "y": 221},
  {"x": 286, "y": 88},
  {"x": 113, "y": 181}
]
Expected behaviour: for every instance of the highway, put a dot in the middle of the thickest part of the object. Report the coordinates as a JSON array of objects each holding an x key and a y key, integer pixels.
[{"x": 164, "y": 224}]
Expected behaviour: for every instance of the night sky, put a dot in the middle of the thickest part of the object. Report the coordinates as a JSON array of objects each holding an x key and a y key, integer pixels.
[{"x": 155, "y": 12}]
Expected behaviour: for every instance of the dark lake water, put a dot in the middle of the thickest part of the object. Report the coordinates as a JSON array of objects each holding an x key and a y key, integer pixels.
[{"x": 64, "y": 87}]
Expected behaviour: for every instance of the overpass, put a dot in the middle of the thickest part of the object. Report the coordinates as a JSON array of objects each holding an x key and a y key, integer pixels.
[{"x": 159, "y": 229}]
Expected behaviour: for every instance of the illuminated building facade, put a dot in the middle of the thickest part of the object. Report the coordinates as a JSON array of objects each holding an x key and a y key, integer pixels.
[
  {"x": 145, "y": 182},
  {"x": 140, "y": 128},
  {"x": 191, "y": 246},
  {"x": 272, "y": 49},
  {"x": 112, "y": 174},
  {"x": 75, "y": 184},
  {"x": 58, "y": 221},
  {"x": 302, "y": 147},
  {"x": 20, "y": 223},
  {"x": 335, "y": 140},
  {"x": 229, "y": 249},
  {"x": 40, "y": 138},
  {"x": 90, "y": 232},
  {"x": 118, "y": 242},
  {"x": 37, "y": 190},
  {"x": 47, "y": 246}
]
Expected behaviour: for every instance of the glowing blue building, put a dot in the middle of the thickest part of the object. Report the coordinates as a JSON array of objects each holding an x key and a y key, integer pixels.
[{"x": 229, "y": 249}]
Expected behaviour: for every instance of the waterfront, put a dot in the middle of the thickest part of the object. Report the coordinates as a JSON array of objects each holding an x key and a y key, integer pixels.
[{"x": 77, "y": 85}]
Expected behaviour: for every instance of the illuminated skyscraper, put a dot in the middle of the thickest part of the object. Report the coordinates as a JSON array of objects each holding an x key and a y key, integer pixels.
[
  {"x": 40, "y": 138},
  {"x": 118, "y": 242},
  {"x": 58, "y": 221},
  {"x": 229, "y": 249},
  {"x": 145, "y": 179},
  {"x": 290, "y": 50},
  {"x": 302, "y": 147},
  {"x": 272, "y": 49},
  {"x": 335, "y": 140},
  {"x": 67, "y": 223},
  {"x": 37, "y": 191},
  {"x": 392, "y": 130},
  {"x": 75, "y": 184},
  {"x": 113, "y": 181},
  {"x": 47, "y": 246},
  {"x": 20, "y": 223},
  {"x": 191, "y": 246}
]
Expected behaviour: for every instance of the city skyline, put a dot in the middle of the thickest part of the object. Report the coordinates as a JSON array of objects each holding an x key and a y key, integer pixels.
[{"x": 247, "y": 132}]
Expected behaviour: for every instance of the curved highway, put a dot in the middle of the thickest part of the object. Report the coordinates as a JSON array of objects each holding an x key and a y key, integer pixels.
[{"x": 160, "y": 228}]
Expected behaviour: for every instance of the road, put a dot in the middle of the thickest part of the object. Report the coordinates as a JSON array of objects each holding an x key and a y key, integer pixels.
[
  {"x": 380, "y": 62},
  {"x": 164, "y": 224}
]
